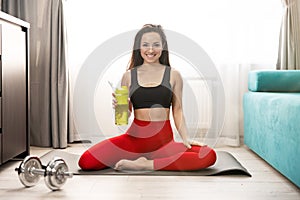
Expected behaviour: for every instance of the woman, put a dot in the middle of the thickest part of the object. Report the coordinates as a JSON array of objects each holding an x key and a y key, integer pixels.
[{"x": 154, "y": 88}]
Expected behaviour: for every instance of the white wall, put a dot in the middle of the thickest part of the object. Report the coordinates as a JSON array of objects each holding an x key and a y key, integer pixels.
[{"x": 230, "y": 31}]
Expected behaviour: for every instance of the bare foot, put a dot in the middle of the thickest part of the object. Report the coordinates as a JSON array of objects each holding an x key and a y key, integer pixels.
[{"x": 141, "y": 164}]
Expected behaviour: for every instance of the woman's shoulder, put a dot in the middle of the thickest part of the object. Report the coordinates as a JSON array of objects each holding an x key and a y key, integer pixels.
[
  {"x": 126, "y": 77},
  {"x": 127, "y": 72},
  {"x": 175, "y": 77},
  {"x": 175, "y": 73}
]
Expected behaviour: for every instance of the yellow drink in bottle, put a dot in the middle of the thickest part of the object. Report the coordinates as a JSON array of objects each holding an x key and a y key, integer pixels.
[{"x": 121, "y": 111}]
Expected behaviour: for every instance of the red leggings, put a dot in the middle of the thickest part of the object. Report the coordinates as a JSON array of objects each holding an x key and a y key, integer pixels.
[{"x": 153, "y": 140}]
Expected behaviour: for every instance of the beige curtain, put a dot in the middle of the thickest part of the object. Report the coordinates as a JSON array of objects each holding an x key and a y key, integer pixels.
[{"x": 289, "y": 41}]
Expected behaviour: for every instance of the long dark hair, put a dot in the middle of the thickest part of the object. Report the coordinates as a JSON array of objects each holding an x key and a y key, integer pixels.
[{"x": 136, "y": 58}]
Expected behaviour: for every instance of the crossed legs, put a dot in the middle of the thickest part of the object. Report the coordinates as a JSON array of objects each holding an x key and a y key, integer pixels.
[{"x": 173, "y": 157}]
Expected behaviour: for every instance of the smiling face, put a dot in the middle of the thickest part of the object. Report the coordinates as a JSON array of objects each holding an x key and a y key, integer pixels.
[{"x": 151, "y": 47}]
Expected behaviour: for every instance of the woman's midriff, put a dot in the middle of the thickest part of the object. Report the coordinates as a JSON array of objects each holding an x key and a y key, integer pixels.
[{"x": 152, "y": 114}]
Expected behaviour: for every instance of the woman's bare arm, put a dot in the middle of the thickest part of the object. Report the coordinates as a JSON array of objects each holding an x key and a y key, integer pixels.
[{"x": 177, "y": 110}]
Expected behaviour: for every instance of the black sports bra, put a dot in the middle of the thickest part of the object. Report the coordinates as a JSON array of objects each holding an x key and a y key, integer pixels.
[{"x": 151, "y": 97}]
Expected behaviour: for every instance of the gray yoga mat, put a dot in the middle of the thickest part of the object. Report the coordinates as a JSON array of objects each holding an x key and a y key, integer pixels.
[{"x": 226, "y": 164}]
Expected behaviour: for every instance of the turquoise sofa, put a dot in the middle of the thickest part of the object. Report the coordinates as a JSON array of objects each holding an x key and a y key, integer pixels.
[{"x": 271, "y": 110}]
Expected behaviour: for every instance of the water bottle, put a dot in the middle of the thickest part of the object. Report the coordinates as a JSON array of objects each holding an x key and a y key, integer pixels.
[{"x": 121, "y": 110}]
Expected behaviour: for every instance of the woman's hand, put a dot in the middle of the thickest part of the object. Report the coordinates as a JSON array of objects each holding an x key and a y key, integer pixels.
[
  {"x": 188, "y": 143},
  {"x": 115, "y": 103}
]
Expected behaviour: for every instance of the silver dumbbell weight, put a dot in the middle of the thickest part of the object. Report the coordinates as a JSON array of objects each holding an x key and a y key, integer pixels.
[{"x": 55, "y": 173}]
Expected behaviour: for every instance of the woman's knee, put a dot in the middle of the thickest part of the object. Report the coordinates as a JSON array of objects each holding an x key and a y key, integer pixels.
[
  {"x": 208, "y": 153},
  {"x": 88, "y": 162}
]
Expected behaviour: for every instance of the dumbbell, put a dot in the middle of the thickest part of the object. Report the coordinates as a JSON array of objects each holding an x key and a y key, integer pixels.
[{"x": 55, "y": 173}]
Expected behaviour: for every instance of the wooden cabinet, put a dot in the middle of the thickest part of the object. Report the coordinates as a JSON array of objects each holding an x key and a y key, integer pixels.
[{"x": 14, "y": 90}]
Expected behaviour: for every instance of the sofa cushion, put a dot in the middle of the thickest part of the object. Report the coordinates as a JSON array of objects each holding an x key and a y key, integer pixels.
[{"x": 274, "y": 81}]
